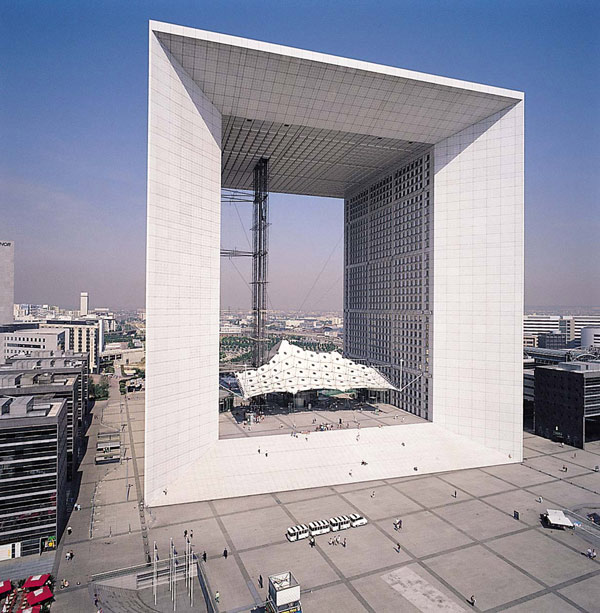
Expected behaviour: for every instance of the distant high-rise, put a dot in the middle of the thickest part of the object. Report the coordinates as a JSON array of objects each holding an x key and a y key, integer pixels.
[
  {"x": 7, "y": 281},
  {"x": 84, "y": 304}
]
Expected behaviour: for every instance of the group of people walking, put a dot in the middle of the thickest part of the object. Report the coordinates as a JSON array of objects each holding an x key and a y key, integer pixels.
[{"x": 337, "y": 541}]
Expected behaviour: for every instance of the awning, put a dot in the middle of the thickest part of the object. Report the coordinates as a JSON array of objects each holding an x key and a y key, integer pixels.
[
  {"x": 34, "y": 609},
  {"x": 36, "y": 581},
  {"x": 558, "y": 518},
  {"x": 39, "y": 595},
  {"x": 5, "y": 586},
  {"x": 293, "y": 369}
]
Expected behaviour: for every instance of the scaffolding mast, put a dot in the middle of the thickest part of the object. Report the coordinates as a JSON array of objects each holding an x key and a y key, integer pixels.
[{"x": 260, "y": 236}]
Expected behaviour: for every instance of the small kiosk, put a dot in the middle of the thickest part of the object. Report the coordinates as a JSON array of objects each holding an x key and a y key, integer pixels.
[{"x": 284, "y": 594}]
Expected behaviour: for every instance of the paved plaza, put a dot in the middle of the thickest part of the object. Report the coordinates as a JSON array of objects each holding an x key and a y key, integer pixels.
[
  {"x": 459, "y": 537},
  {"x": 331, "y": 413}
]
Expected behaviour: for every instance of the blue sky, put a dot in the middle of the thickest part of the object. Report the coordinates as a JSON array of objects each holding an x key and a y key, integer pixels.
[{"x": 73, "y": 126}]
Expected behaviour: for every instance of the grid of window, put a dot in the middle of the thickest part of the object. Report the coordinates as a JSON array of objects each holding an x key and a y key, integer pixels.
[
  {"x": 387, "y": 317},
  {"x": 32, "y": 477}
]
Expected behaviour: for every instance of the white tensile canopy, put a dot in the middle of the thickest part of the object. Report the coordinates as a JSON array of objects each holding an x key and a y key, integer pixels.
[
  {"x": 558, "y": 518},
  {"x": 292, "y": 369}
]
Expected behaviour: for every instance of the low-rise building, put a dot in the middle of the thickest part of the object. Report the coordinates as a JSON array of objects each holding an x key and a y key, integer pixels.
[
  {"x": 33, "y": 464},
  {"x": 84, "y": 335},
  {"x": 51, "y": 386},
  {"x": 25, "y": 340},
  {"x": 552, "y": 340},
  {"x": 60, "y": 362},
  {"x": 590, "y": 336},
  {"x": 566, "y": 396}
]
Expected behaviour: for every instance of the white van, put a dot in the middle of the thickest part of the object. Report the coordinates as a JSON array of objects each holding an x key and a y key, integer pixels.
[
  {"x": 339, "y": 523},
  {"x": 321, "y": 526},
  {"x": 357, "y": 520},
  {"x": 296, "y": 533}
]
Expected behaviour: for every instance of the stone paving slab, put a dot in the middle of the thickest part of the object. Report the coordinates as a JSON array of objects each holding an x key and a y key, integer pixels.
[
  {"x": 298, "y": 495},
  {"x": 589, "y": 481},
  {"x": 518, "y": 500},
  {"x": 564, "y": 494},
  {"x": 387, "y": 502},
  {"x": 550, "y": 603},
  {"x": 258, "y": 527},
  {"x": 337, "y": 598},
  {"x": 478, "y": 520},
  {"x": 476, "y": 482},
  {"x": 518, "y": 474},
  {"x": 584, "y": 593},
  {"x": 183, "y": 515},
  {"x": 247, "y": 503},
  {"x": 541, "y": 557},
  {"x": 431, "y": 491},
  {"x": 383, "y": 598},
  {"x": 367, "y": 550},
  {"x": 208, "y": 537},
  {"x": 543, "y": 444},
  {"x": 582, "y": 458},
  {"x": 225, "y": 577},
  {"x": 490, "y": 579},
  {"x": 359, "y": 485},
  {"x": 310, "y": 568},
  {"x": 424, "y": 533},
  {"x": 322, "y": 507},
  {"x": 553, "y": 466}
]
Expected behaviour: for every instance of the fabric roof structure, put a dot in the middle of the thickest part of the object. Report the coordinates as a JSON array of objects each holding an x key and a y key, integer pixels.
[
  {"x": 36, "y": 581},
  {"x": 38, "y": 596},
  {"x": 292, "y": 369}
]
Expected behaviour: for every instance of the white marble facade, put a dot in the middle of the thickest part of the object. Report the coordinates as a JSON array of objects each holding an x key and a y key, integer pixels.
[{"x": 328, "y": 125}]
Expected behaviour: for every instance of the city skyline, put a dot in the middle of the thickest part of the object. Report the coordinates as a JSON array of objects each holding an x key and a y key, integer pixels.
[{"x": 74, "y": 183}]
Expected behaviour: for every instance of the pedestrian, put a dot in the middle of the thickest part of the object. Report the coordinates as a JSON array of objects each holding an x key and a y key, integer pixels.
[
  {"x": 454, "y": 493},
  {"x": 266, "y": 454},
  {"x": 350, "y": 473},
  {"x": 344, "y": 543},
  {"x": 373, "y": 494},
  {"x": 593, "y": 556},
  {"x": 398, "y": 548},
  {"x": 260, "y": 581},
  {"x": 69, "y": 529},
  {"x": 472, "y": 600},
  {"x": 589, "y": 552},
  {"x": 331, "y": 543},
  {"x": 191, "y": 534},
  {"x": 217, "y": 596},
  {"x": 225, "y": 553},
  {"x": 96, "y": 600},
  {"x": 185, "y": 534},
  {"x": 400, "y": 524},
  {"x": 338, "y": 539},
  {"x": 204, "y": 556},
  {"x": 259, "y": 450}
]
